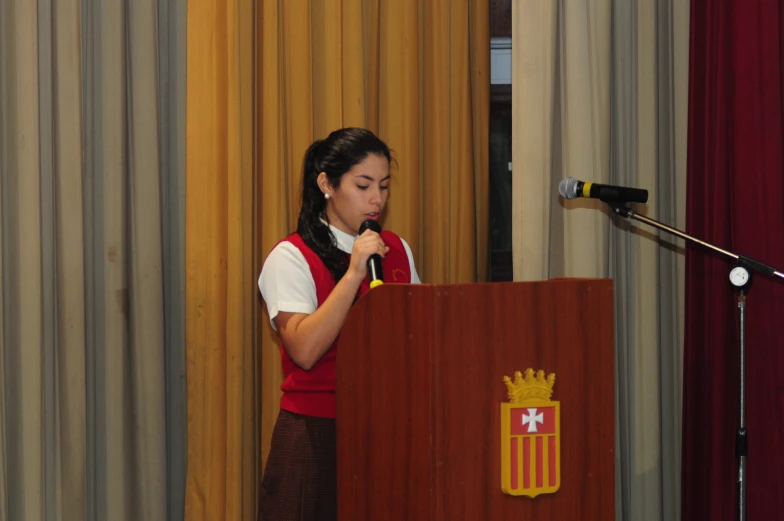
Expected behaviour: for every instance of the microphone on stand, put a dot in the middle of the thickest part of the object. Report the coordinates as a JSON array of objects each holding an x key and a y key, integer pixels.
[{"x": 571, "y": 188}]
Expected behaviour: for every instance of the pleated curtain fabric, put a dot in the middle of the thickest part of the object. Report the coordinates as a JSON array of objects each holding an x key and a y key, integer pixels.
[
  {"x": 734, "y": 201},
  {"x": 221, "y": 295},
  {"x": 599, "y": 93},
  {"x": 417, "y": 75},
  {"x": 92, "y": 418}
]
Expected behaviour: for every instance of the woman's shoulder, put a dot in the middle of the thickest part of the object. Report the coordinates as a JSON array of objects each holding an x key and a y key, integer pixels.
[
  {"x": 393, "y": 240},
  {"x": 290, "y": 243},
  {"x": 388, "y": 236},
  {"x": 292, "y": 251},
  {"x": 284, "y": 252}
]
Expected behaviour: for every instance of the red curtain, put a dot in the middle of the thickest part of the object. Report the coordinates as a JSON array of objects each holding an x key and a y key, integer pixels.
[{"x": 735, "y": 199}]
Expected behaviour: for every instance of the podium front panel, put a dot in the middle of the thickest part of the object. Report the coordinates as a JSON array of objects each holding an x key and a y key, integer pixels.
[{"x": 420, "y": 388}]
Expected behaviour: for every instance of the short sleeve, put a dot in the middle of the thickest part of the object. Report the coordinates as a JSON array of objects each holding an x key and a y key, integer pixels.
[
  {"x": 286, "y": 283},
  {"x": 410, "y": 255}
]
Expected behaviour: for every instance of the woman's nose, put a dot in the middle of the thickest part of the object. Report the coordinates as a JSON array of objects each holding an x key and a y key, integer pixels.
[{"x": 375, "y": 196}]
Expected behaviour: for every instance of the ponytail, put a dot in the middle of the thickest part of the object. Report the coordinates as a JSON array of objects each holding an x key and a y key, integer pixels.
[{"x": 310, "y": 226}]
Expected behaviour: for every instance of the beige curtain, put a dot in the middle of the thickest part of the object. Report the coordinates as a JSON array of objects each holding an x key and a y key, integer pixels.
[
  {"x": 91, "y": 354},
  {"x": 600, "y": 94},
  {"x": 417, "y": 74}
]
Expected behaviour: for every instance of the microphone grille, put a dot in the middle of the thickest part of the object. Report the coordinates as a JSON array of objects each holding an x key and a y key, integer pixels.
[
  {"x": 369, "y": 224},
  {"x": 568, "y": 188}
]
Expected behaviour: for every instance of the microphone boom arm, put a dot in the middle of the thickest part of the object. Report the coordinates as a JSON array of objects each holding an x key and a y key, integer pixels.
[{"x": 744, "y": 261}]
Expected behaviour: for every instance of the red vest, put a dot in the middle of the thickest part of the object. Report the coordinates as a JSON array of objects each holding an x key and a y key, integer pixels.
[{"x": 312, "y": 393}]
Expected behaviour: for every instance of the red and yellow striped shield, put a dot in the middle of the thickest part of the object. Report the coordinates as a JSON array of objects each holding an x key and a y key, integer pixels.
[{"x": 530, "y": 437}]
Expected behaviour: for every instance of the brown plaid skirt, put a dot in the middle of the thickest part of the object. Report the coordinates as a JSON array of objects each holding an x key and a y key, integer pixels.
[{"x": 300, "y": 479}]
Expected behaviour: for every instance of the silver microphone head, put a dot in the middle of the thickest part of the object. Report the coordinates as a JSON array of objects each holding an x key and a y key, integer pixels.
[{"x": 568, "y": 188}]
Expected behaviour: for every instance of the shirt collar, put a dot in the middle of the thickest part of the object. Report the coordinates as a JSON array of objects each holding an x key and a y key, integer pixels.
[{"x": 345, "y": 241}]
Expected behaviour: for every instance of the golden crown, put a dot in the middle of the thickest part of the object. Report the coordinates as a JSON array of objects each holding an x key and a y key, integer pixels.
[{"x": 532, "y": 386}]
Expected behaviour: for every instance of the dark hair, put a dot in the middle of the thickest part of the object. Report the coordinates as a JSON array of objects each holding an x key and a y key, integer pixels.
[{"x": 335, "y": 156}]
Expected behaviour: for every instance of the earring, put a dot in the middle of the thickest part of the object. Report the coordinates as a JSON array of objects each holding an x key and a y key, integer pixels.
[{"x": 326, "y": 196}]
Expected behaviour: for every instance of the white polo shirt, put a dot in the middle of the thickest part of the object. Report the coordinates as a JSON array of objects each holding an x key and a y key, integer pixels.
[{"x": 286, "y": 283}]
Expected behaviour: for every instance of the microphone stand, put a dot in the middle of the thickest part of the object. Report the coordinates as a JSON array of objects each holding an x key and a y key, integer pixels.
[{"x": 740, "y": 276}]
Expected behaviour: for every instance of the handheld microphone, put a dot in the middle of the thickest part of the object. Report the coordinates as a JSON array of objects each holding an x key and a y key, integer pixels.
[
  {"x": 571, "y": 188},
  {"x": 375, "y": 272}
]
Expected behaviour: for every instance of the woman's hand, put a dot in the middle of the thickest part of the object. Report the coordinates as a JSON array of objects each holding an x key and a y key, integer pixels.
[{"x": 367, "y": 244}]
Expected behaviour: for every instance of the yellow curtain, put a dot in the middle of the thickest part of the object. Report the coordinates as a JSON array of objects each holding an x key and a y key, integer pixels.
[
  {"x": 220, "y": 298},
  {"x": 418, "y": 75}
]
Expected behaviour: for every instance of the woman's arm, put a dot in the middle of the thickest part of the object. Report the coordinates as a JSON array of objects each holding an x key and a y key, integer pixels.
[{"x": 308, "y": 336}]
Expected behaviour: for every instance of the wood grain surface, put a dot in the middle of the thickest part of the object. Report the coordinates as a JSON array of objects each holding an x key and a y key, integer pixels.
[{"x": 420, "y": 372}]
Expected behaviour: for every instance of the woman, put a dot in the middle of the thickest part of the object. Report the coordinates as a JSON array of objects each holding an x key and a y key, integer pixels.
[{"x": 309, "y": 282}]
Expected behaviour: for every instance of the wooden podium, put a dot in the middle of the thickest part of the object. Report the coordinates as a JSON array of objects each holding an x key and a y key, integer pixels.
[{"x": 419, "y": 393}]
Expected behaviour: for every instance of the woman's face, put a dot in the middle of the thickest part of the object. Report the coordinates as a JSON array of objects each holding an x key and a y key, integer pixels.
[{"x": 361, "y": 195}]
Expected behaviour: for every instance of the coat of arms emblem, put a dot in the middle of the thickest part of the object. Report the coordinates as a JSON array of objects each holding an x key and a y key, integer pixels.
[{"x": 530, "y": 436}]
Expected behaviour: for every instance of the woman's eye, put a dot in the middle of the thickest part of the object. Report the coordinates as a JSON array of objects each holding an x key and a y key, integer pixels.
[
  {"x": 362, "y": 187},
  {"x": 385, "y": 187}
]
